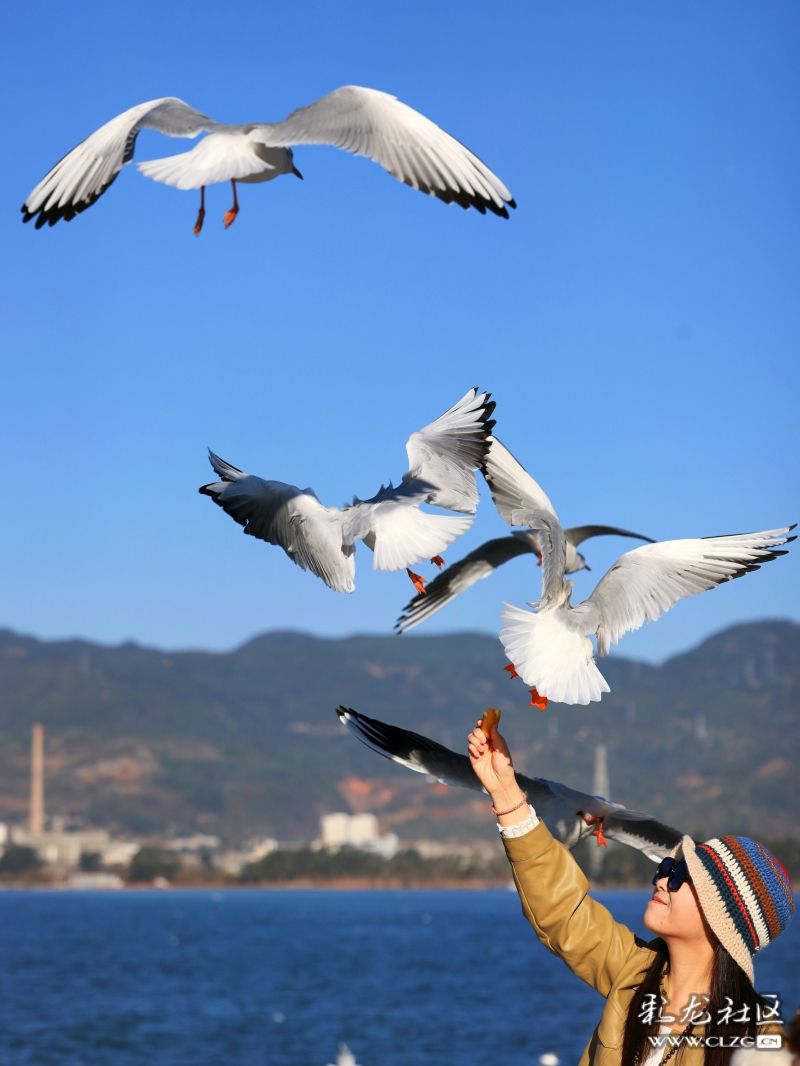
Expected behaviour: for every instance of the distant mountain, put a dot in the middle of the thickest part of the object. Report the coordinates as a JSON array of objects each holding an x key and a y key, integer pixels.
[{"x": 247, "y": 743}]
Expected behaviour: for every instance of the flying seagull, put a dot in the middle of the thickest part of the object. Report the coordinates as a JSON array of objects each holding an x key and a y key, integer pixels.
[
  {"x": 482, "y": 562},
  {"x": 443, "y": 457},
  {"x": 549, "y": 647},
  {"x": 366, "y": 122},
  {"x": 569, "y": 815}
]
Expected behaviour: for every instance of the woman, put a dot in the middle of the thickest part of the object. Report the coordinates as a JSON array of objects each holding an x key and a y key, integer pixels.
[{"x": 714, "y": 905}]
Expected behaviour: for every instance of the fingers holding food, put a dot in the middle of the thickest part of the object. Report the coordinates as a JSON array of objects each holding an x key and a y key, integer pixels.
[{"x": 489, "y": 721}]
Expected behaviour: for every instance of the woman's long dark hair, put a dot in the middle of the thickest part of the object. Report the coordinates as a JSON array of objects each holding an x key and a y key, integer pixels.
[{"x": 728, "y": 979}]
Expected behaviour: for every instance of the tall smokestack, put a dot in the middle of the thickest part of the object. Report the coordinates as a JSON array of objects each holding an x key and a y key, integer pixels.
[
  {"x": 37, "y": 780},
  {"x": 600, "y": 784}
]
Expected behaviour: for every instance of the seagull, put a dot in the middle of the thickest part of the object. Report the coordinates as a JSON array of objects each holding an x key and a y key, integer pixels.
[
  {"x": 482, "y": 562},
  {"x": 569, "y": 815},
  {"x": 363, "y": 121},
  {"x": 443, "y": 457},
  {"x": 549, "y": 647}
]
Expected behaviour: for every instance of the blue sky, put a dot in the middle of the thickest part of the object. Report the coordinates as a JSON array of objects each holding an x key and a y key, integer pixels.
[{"x": 636, "y": 320}]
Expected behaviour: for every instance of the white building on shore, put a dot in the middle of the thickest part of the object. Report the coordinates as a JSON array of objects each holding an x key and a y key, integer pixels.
[{"x": 340, "y": 830}]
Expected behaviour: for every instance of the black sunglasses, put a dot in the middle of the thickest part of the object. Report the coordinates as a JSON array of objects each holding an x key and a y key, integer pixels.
[{"x": 675, "y": 870}]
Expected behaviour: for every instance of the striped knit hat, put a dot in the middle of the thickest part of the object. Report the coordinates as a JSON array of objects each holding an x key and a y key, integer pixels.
[{"x": 744, "y": 893}]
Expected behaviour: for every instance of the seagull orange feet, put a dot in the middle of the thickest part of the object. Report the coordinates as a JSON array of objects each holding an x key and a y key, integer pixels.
[
  {"x": 538, "y": 701},
  {"x": 437, "y": 560},
  {"x": 417, "y": 581},
  {"x": 512, "y": 670},
  {"x": 597, "y": 819},
  {"x": 229, "y": 217}
]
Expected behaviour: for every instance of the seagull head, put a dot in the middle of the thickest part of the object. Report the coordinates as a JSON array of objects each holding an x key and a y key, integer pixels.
[{"x": 581, "y": 563}]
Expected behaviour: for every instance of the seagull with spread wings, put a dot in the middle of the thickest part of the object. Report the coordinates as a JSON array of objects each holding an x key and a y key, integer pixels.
[
  {"x": 443, "y": 459},
  {"x": 550, "y": 647},
  {"x": 570, "y": 815},
  {"x": 366, "y": 122},
  {"x": 483, "y": 561}
]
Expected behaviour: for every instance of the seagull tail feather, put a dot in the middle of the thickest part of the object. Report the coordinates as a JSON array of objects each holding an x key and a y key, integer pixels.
[
  {"x": 552, "y": 656},
  {"x": 419, "y": 536}
]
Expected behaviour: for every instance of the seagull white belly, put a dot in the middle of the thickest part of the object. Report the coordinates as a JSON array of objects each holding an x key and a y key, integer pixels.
[
  {"x": 276, "y": 162},
  {"x": 255, "y": 179},
  {"x": 552, "y": 655}
]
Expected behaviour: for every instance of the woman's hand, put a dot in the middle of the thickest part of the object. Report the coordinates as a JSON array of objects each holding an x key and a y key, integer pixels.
[{"x": 491, "y": 761}]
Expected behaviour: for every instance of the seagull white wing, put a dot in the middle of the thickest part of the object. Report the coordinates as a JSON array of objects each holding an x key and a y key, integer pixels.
[
  {"x": 646, "y": 582},
  {"x": 399, "y": 533},
  {"x": 290, "y": 517},
  {"x": 413, "y": 149},
  {"x": 84, "y": 174},
  {"x": 463, "y": 574},
  {"x": 513, "y": 490},
  {"x": 562, "y": 808},
  {"x": 448, "y": 451}
]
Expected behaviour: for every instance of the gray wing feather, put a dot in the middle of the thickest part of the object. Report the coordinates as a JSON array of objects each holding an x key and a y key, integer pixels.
[
  {"x": 462, "y": 575},
  {"x": 578, "y": 534},
  {"x": 482, "y": 562},
  {"x": 560, "y": 807}
]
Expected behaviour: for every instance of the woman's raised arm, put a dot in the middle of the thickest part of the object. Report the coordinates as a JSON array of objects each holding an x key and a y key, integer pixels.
[{"x": 551, "y": 886}]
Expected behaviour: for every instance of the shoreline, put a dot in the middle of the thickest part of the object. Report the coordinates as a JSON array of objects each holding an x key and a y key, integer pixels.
[{"x": 346, "y": 884}]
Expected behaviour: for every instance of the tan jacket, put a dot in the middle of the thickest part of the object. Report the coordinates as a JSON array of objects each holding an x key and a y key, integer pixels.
[{"x": 578, "y": 929}]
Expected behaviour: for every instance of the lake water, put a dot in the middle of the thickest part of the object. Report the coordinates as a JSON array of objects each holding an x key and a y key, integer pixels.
[{"x": 283, "y": 977}]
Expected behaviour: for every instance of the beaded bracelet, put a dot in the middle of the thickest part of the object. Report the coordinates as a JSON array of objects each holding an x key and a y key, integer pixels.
[{"x": 522, "y": 802}]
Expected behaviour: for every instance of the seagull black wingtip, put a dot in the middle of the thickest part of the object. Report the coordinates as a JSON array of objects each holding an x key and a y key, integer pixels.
[
  {"x": 50, "y": 215},
  {"x": 488, "y": 410},
  {"x": 464, "y": 200}
]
